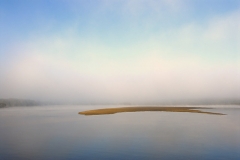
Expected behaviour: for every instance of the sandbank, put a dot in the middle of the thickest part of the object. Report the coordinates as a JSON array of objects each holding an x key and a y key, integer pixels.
[{"x": 144, "y": 109}]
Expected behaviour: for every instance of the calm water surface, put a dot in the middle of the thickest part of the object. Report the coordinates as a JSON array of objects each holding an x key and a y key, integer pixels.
[{"x": 59, "y": 132}]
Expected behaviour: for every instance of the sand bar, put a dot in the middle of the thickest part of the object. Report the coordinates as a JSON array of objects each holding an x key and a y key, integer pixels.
[{"x": 144, "y": 109}]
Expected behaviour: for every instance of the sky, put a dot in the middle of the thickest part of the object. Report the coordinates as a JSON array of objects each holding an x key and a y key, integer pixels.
[{"x": 119, "y": 51}]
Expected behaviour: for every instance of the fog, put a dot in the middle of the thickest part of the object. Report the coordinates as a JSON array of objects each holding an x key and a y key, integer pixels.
[{"x": 145, "y": 80}]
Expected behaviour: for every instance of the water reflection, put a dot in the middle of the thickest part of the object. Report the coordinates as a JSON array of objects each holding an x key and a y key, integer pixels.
[{"x": 60, "y": 133}]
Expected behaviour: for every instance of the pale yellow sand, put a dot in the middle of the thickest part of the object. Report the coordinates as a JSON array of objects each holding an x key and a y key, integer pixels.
[{"x": 142, "y": 109}]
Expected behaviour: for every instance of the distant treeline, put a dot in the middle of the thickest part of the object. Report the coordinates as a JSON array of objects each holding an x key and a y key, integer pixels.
[
  {"x": 17, "y": 102},
  {"x": 23, "y": 102}
]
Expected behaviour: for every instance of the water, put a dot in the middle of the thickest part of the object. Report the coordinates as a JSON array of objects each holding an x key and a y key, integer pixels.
[{"x": 59, "y": 132}]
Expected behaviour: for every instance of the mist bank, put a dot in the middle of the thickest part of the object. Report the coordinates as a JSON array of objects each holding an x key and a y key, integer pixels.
[{"x": 24, "y": 102}]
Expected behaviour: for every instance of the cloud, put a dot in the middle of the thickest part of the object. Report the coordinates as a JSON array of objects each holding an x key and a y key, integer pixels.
[
  {"x": 214, "y": 41},
  {"x": 224, "y": 28},
  {"x": 137, "y": 8}
]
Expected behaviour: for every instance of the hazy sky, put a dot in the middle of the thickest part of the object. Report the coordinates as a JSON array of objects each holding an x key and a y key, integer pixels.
[{"x": 119, "y": 50}]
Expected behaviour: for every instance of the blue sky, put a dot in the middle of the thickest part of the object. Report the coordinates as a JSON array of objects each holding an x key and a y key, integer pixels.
[{"x": 120, "y": 50}]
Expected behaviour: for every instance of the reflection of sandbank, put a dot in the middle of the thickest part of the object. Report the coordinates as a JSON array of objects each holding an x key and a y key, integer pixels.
[{"x": 142, "y": 109}]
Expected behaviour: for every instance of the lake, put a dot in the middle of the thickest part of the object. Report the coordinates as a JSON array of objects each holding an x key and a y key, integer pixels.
[{"x": 59, "y": 132}]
